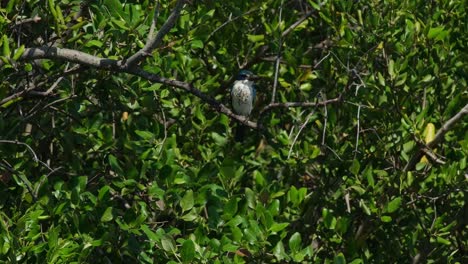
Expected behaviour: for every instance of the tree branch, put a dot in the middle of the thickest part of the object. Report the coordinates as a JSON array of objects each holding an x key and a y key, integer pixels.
[
  {"x": 117, "y": 66},
  {"x": 130, "y": 66},
  {"x": 189, "y": 88},
  {"x": 437, "y": 139},
  {"x": 70, "y": 56},
  {"x": 298, "y": 104},
  {"x": 271, "y": 106},
  {"x": 154, "y": 41},
  {"x": 297, "y": 23}
]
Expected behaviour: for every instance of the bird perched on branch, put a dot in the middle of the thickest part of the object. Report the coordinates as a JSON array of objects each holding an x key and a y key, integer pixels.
[{"x": 243, "y": 98}]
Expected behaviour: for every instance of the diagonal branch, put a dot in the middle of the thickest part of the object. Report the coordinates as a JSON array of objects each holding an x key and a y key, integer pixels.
[
  {"x": 117, "y": 66},
  {"x": 447, "y": 126},
  {"x": 194, "y": 91},
  {"x": 69, "y": 55},
  {"x": 298, "y": 104},
  {"x": 437, "y": 139},
  {"x": 130, "y": 65},
  {"x": 154, "y": 41},
  {"x": 297, "y": 23},
  {"x": 272, "y": 106}
]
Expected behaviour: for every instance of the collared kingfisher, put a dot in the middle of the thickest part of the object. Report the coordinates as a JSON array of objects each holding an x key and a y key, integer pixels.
[{"x": 243, "y": 98}]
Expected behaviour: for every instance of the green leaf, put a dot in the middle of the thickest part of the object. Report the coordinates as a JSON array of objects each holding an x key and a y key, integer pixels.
[
  {"x": 114, "y": 164},
  {"x": 168, "y": 243},
  {"x": 381, "y": 79},
  {"x": 278, "y": 251},
  {"x": 250, "y": 196},
  {"x": 368, "y": 173},
  {"x": 107, "y": 215},
  {"x": 364, "y": 207},
  {"x": 354, "y": 169},
  {"x": 255, "y": 38},
  {"x": 190, "y": 216},
  {"x": 339, "y": 259},
  {"x": 427, "y": 78},
  {"x": 437, "y": 33},
  {"x": 443, "y": 241},
  {"x": 297, "y": 196},
  {"x": 18, "y": 53},
  {"x": 187, "y": 201},
  {"x": 328, "y": 219},
  {"x": 103, "y": 192},
  {"x": 146, "y": 135},
  {"x": 386, "y": 219},
  {"x": 28, "y": 67},
  {"x": 391, "y": 69},
  {"x": 236, "y": 233},
  {"x": 197, "y": 44},
  {"x": 187, "y": 251},
  {"x": 393, "y": 205},
  {"x": 295, "y": 242},
  {"x": 94, "y": 43},
  {"x": 149, "y": 233},
  {"x": 276, "y": 227},
  {"x": 6, "y": 47},
  {"x": 230, "y": 209}
]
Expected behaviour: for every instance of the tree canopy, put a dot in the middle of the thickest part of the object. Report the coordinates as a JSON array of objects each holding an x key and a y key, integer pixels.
[{"x": 116, "y": 132}]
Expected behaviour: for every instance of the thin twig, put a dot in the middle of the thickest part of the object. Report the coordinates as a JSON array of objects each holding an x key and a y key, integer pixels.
[
  {"x": 278, "y": 55},
  {"x": 299, "y": 132},
  {"x": 154, "y": 22},
  {"x": 437, "y": 139},
  {"x": 297, "y": 23},
  {"x": 325, "y": 119},
  {"x": 165, "y": 126},
  {"x": 23, "y": 144},
  {"x": 230, "y": 20},
  {"x": 334, "y": 152},
  {"x": 34, "y": 19},
  {"x": 357, "y": 131},
  {"x": 432, "y": 156},
  {"x": 298, "y": 104},
  {"x": 153, "y": 42}
]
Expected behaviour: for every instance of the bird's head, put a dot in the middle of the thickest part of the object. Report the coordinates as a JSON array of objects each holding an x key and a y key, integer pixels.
[{"x": 244, "y": 75}]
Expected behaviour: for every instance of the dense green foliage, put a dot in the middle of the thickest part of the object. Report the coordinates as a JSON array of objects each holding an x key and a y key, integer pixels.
[{"x": 102, "y": 166}]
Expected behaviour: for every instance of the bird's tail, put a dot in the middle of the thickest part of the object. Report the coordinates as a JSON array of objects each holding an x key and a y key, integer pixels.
[{"x": 240, "y": 132}]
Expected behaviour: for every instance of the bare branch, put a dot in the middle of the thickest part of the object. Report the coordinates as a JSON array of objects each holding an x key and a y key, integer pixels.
[
  {"x": 154, "y": 41},
  {"x": 230, "y": 20},
  {"x": 130, "y": 67},
  {"x": 278, "y": 55},
  {"x": 117, "y": 66},
  {"x": 189, "y": 88},
  {"x": 325, "y": 120},
  {"x": 358, "y": 127},
  {"x": 34, "y": 19},
  {"x": 447, "y": 126},
  {"x": 432, "y": 156},
  {"x": 70, "y": 56},
  {"x": 23, "y": 144},
  {"x": 261, "y": 51},
  {"x": 300, "y": 130},
  {"x": 297, "y": 23},
  {"x": 52, "y": 87},
  {"x": 437, "y": 139},
  {"x": 14, "y": 96},
  {"x": 298, "y": 104},
  {"x": 272, "y": 106}
]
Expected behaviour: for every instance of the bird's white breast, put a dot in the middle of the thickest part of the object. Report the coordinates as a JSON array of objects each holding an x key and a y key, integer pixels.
[{"x": 242, "y": 97}]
